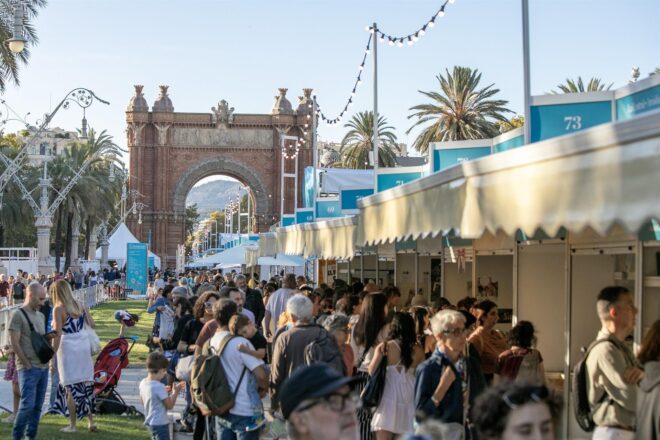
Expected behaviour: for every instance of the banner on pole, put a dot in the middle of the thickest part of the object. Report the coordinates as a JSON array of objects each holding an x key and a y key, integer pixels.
[{"x": 136, "y": 267}]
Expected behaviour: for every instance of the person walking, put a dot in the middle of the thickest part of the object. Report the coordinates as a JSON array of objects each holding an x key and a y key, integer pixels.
[
  {"x": 370, "y": 330},
  {"x": 277, "y": 304},
  {"x": 32, "y": 373},
  {"x": 613, "y": 371},
  {"x": 4, "y": 291},
  {"x": 447, "y": 383},
  {"x": 395, "y": 412},
  {"x": 252, "y": 299},
  {"x": 75, "y": 392},
  {"x": 488, "y": 341},
  {"x": 317, "y": 404},
  {"x": 522, "y": 361},
  {"x": 232, "y": 425},
  {"x": 517, "y": 410},
  {"x": 18, "y": 291},
  {"x": 648, "y": 400},
  {"x": 289, "y": 352}
]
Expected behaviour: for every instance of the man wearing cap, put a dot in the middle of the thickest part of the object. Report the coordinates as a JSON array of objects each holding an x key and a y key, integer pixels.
[{"x": 318, "y": 404}]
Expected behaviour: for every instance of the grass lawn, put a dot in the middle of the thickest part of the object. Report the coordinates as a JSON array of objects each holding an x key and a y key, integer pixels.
[
  {"x": 107, "y": 326},
  {"x": 110, "y": 428}
]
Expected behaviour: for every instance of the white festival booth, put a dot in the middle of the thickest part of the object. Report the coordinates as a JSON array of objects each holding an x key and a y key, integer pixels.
[
  {"x": 117, "y": 249},
  {"x": 540, "y": 230}
]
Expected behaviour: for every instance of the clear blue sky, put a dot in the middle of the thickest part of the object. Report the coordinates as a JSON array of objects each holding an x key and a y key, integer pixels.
[{"x": 243, "y": 50}]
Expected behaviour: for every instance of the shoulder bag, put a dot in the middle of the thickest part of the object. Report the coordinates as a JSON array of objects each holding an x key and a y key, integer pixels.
[
  {"x": 92, "y": 337},
  {"x": 373, "y": 389},
  {"x": 39, "y": 342}
]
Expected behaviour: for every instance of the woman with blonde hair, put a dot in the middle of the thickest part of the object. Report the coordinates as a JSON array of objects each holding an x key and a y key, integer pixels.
[{"x": 75, "y": 393}]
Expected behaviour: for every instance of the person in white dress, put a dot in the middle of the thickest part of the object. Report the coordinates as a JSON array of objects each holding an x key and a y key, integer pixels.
[{"x": 395, "y": 413}]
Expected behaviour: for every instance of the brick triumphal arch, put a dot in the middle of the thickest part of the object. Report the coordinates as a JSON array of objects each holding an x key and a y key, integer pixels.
[{"x": 171, "y": 151}]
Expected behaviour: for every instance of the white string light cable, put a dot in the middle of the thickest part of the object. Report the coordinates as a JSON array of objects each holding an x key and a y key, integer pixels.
[{"x": 410, "y": 39}]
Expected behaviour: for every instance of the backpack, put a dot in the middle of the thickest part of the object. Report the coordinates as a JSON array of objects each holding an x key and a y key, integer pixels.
[
  {"x": 324, "y": 349},
  {"x": 529, "y": 367},
  {"x": 210, "y": 389},
  {"x": 580, "y": 391}
]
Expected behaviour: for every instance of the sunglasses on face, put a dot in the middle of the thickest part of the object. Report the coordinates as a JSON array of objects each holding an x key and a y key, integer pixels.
[
  {"x": 336, "y": 402},
  {"x": 456, "y": 332},
  {"x": 514, "y": 399}
]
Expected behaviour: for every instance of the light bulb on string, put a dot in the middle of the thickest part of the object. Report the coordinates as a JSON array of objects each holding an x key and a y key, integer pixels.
[
  {"x": 361, "y": 66},
  {"x": 391, "y": 42},
  {"x": 422, "y": 31},
  {"x": 431, "y": 23},
  {"x": 382, "y": 38},
  {"x": 441, "y": 12},
  {"x": 400, "y": 43},
  {"x": 415, "y": 38},
  {"x": 452, "y": 1},
  {"x": 410, "y": 41}
]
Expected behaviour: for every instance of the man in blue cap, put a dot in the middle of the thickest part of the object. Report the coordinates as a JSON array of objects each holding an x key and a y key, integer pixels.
[{"x": 318, "y": 403}]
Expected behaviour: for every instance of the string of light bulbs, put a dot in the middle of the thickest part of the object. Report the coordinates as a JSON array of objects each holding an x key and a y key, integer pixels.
[{"x": 410, "y": 39}]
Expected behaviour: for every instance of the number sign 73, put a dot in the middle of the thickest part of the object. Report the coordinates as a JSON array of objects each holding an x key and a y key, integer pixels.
[{"x": 573, "y": 122}]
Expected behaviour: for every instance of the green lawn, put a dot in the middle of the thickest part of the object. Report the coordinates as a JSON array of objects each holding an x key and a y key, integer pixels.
[
  {"x": 110, "y": 428},
  {"x": 108, "y": 328}
]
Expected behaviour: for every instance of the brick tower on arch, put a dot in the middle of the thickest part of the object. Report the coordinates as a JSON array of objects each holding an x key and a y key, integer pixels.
[{"x": 170, "y": 151}]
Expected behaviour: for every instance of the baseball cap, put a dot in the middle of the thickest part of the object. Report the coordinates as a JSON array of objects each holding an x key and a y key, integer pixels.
[{"x": 308, "y": 382}]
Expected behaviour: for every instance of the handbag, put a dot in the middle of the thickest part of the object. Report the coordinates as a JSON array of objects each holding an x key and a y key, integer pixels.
[
  {"x": 184, "y": 368},
  {"x": 93, "y": 338},
  {"x": 373, "y": 389},
  {"x": 39, "y": 342}
]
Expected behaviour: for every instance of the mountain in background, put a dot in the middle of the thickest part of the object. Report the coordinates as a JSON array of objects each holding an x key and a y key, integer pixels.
[{"x": 212, "y": 196}]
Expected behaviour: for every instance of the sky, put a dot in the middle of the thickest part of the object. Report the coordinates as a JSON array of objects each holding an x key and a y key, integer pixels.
[{"x": 244, "y": 50}]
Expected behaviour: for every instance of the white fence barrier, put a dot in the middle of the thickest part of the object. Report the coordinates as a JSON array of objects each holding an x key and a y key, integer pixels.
[{"x": 89, "y": 296}]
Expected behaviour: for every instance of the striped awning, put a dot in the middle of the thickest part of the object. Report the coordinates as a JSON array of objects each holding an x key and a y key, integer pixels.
[{"x": 599, "y": 177}]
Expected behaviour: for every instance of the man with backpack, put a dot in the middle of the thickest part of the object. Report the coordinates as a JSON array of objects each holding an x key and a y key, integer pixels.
[
  {"x": 305, "y": 343},
  {"x": 232, "y": 401},
  {"x": 612, "y": 371}
]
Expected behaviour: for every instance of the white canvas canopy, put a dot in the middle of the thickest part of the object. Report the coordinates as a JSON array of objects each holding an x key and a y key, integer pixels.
[
  {"x": 117, "y": 249},
  {"x": 282, "y": 260},
  {"x": 233, "y": 256}
]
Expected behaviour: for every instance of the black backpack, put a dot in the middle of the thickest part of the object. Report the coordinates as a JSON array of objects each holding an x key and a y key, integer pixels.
[
  {"x": 324, "y": 349},
  {"x": 580, "y": 392}
]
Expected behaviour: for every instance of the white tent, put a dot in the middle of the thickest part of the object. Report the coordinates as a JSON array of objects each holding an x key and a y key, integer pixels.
[
  {"x": 117, "y": 249},
  {"x": 282, "y": 260},
  {"x": 233, "y": 256}
]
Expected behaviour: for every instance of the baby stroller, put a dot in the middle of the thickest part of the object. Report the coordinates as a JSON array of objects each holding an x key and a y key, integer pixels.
[{"x": 107, "y": 371}]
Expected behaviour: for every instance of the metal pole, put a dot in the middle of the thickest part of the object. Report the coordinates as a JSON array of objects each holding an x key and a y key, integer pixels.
[
  {"x": 374, "y": 40},
  {"x": 526, "y": 79},
  {"x": 314, "y": 156}
]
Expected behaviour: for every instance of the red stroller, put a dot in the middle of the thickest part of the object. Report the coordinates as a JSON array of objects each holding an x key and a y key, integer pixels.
[{"x": 107, "y": 371}]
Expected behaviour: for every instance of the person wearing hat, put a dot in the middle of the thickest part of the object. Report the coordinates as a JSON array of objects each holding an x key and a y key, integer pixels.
[
  {"x": 337, "y": 326},
  {"x": 318, "y": 404}
]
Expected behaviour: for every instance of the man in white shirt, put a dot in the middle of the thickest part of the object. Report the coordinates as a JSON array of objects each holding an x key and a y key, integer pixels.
[
  {"x": 234, "y": 362},
  {"x": 277, "y": 303}
]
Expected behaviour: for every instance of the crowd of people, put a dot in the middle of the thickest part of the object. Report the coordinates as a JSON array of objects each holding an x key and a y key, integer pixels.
[{"x": 345, "y": 361}]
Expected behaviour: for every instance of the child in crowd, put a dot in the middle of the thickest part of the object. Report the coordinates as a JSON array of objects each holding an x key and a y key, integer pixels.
[
  {"x": 155, "y": 398},
  {"x": 240, "y": 325},
  {"x": 11, "y": 375}
]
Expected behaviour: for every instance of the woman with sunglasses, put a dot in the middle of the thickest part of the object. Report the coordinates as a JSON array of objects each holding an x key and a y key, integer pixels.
[
  {"x": 447, "y": 383},
  {"x": 516, "y": 411}
]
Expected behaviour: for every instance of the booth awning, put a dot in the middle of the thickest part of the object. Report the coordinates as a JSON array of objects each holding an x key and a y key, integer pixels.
[
  {"x": 598, "y": 177},
  {"x": 251, "y": 256},
  {"x": 267, "y": 244},
  {"x": 324, "y": 239}
]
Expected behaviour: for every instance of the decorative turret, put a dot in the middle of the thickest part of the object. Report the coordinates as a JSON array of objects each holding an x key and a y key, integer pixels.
[
  {"x": 282, "y": 105},
  {"x": 137, "y": 102},
  {"x": 163, "y": 103},
  {"x": 305, "y": 102}
]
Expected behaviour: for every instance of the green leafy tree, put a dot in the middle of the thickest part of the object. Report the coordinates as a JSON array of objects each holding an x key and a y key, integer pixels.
[
  {"x": 192, "y": 217},
  {"x": 460, "y": 110},
  {"x": 577, "y": 86},
  {"x": 9, "y": 61},
  {"x": 517, "y": 121},
  {"x": 358, "y": 142}
]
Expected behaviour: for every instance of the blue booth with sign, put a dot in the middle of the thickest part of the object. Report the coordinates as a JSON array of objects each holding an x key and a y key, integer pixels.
[
  {"x": 304, "y": 215},
  {"x": 348, "y": 198},
  {"x": 388, "y": 178},
  {"x": 448, "y": 154},
  {"x": 328, "y": 207}
]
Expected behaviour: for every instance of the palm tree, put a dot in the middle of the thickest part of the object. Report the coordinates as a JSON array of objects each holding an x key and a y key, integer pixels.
[
  {"x": 571, "y": 86},
  {"x": 459, "y": 111},
  {"x": 9, "y": 61},
  {"x": 93, "y": 196},
  {"x": 358, "y": 142}
]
